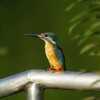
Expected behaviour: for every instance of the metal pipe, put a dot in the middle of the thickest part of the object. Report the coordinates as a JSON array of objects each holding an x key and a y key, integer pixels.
[
  {"x": 34, "y": 92},
  {"x": 66, "y": 80}
]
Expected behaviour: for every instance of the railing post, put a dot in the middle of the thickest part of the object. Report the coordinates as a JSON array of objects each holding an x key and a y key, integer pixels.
[{"x": 34, "y": 92}]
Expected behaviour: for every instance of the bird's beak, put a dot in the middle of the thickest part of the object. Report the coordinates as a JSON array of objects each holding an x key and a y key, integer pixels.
[
  {"x": 38, "y": 35},
  {"x": 31, "y": 35}
]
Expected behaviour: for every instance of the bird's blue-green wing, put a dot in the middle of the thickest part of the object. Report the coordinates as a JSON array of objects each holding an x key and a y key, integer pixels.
[{"x": 60, "y": 55}]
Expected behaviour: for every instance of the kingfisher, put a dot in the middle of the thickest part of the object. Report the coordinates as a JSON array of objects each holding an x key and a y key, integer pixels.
[{"x": 53, "y": 51}]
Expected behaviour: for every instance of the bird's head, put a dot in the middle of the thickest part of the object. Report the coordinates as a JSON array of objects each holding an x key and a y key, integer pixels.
[{"x": 46, "y": 37}]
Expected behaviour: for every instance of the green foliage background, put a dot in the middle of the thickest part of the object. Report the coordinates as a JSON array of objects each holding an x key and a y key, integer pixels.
[{"x": 76, "y": 23}]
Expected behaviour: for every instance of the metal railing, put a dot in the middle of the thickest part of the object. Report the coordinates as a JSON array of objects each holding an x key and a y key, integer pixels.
[{"x": 33, "y": 81}]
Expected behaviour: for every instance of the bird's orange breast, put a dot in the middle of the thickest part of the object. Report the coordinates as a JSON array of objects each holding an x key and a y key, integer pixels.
[{"x": 51, "y": 55}]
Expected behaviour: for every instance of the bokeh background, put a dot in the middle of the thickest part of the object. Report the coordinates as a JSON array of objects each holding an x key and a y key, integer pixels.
[{"x": 76, "y": 23}]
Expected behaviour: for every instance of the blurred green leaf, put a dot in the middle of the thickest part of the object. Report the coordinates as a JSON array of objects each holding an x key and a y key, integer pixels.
[{"x": 82, "y": 24}]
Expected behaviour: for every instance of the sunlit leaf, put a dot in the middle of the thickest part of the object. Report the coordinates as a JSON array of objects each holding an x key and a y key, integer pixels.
[{"x": 87, "y": 48}]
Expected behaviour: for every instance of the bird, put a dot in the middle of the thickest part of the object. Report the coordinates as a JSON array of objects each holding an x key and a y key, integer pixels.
[{"x": 53, "y": 50}]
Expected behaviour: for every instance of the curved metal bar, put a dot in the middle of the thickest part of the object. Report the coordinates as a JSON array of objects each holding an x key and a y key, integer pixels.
[{"x": 66, "y": 80}]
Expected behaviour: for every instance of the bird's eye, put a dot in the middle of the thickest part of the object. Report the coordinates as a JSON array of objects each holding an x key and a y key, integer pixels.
[{"x": 46, "y": 35}]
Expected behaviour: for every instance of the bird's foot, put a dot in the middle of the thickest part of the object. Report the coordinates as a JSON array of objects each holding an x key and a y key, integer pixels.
[{"x": 55, "y": 70}]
